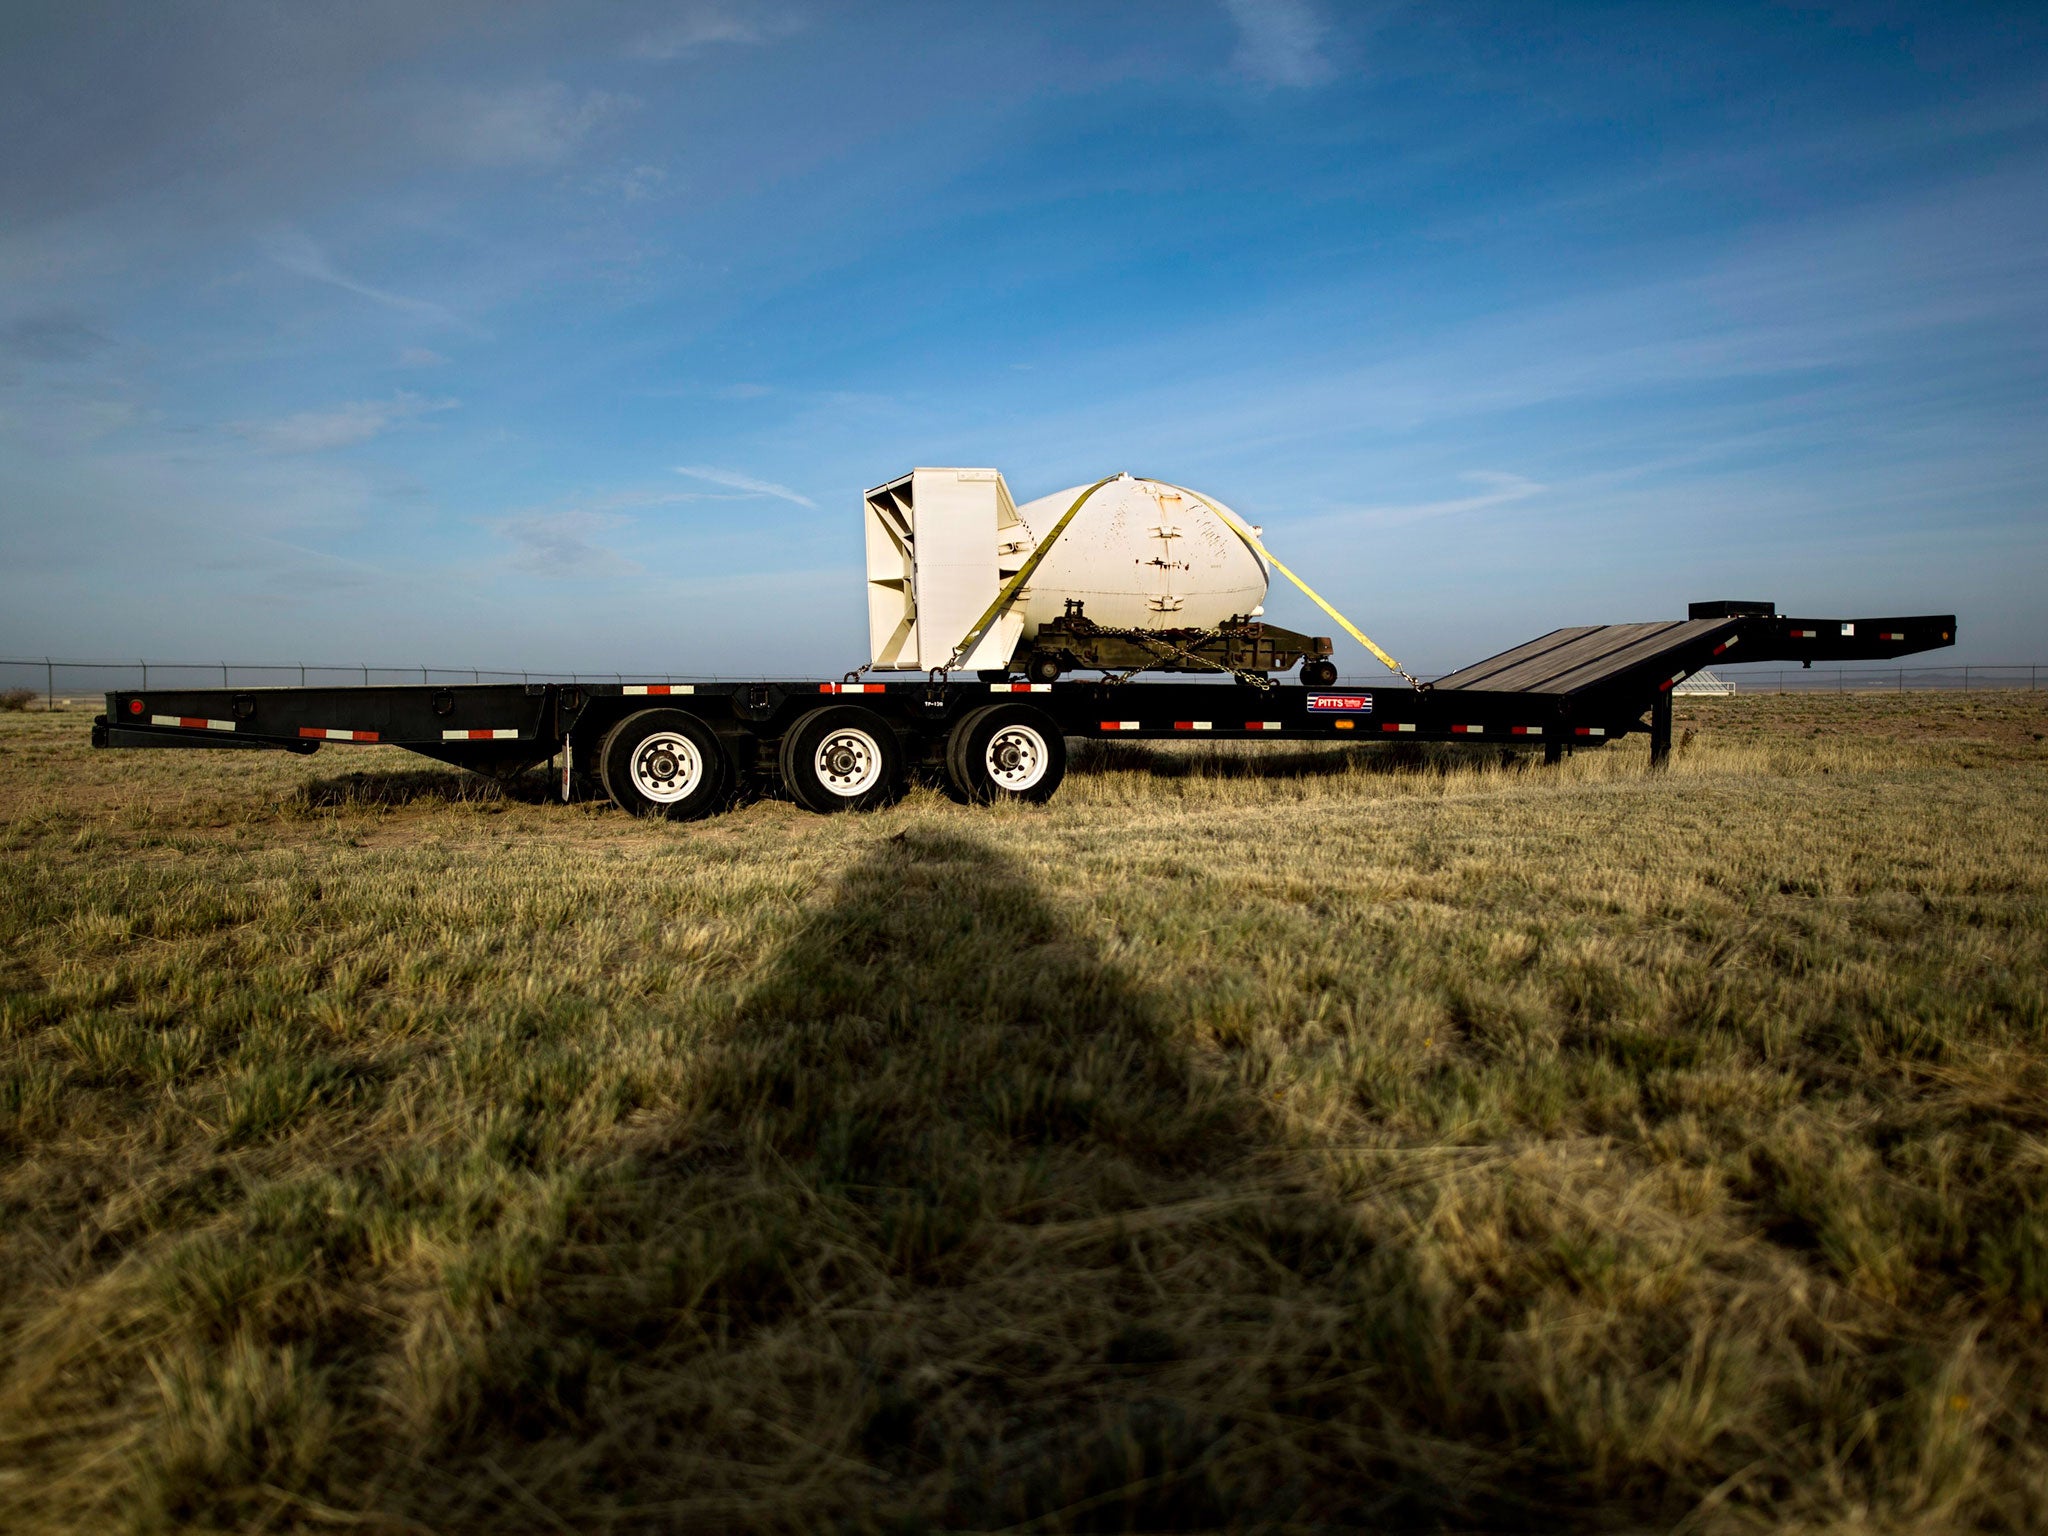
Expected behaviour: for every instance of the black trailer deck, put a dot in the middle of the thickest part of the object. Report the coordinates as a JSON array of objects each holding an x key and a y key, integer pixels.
[{"x": 685, "y": 749}]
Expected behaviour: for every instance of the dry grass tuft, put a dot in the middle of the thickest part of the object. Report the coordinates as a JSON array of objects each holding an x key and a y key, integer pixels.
[{"x": 1329, "y": 1138}]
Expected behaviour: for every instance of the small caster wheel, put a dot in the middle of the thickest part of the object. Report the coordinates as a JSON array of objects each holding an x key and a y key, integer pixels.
[
  {"x": 1043, "y": 667},
  {"x": 1319, "y": 673}
]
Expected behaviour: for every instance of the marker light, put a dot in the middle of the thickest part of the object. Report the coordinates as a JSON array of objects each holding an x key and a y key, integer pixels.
[{"x": 135, "y": 706}]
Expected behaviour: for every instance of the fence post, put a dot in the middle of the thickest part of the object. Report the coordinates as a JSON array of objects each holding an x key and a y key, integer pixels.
[
  {"x": 302, "y": 674},
  {"x": 144, "y": 664},
  {"x": 475, "y": 676},
  {"x": 366, "y": 674},
  {"x": 49, "y": 685},
  {"x": 423, "y": 674}
]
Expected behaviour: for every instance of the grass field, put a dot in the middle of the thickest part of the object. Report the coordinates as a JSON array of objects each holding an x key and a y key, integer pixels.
[{"x": 1416, "y": 1143}]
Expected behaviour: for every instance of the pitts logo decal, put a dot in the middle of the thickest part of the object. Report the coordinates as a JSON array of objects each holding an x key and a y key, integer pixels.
[{"x": 1340, "y": 703}]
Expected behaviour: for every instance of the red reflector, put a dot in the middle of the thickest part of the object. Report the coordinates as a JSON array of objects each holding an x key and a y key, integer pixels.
[{"x": 135, "y": 706}]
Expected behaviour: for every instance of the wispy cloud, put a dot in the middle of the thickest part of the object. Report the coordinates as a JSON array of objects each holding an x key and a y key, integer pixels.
[
  {"x": 529, "y": 126},
  {"x": 1279, "y": 42},
  {"x": 343, "y": 427},
  {"x": 631, "y": 184},
  {"x": 1496, "y": 490},
  {"x": 420, "y": 357},
  {"x": 298, "y": 252},
  {"x": 563, "y": 544},
  {"x": 709, "y": 23},
  {"x": 54, "y": 337},
  {"x": 747, "y": 483}
]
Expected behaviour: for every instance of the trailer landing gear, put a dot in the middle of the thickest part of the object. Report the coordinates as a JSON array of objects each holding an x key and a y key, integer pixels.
[{"x": 1660, "y": 728}]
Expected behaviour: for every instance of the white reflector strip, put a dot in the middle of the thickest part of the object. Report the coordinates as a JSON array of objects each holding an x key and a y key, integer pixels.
[
  {"x": 1727, "y": 645},
  {"x": 1525, "y": 730},
  {"x": 1119, "y": 725},
  {"x": 1020, "y": 687},
  {"x": 1262, "y": 725},
  {"x": 1591, "y": 730},
  {"x": 1396, "y": 725},
  {"x": 660, "y": 688},
  {"x": 1468, "y": 730},
  {"x": 1802, "y": 634},
  {"x": 192, "y": 722},
  {"x": 1888, "y": 635},
  {"x": 319, "y": 733},
  {"x": 479, "y": 735},
  {"x": 850, "y": 687},
  {"x": 1191, "y": 725},
  {"x": 1676, "y": 677}
]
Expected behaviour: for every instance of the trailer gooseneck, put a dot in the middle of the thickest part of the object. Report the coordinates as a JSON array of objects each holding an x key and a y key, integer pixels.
[{"x": 686, "y": 750}]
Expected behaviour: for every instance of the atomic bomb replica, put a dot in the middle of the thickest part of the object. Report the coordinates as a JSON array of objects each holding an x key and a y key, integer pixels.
[{"x": 1125, "y": 575}]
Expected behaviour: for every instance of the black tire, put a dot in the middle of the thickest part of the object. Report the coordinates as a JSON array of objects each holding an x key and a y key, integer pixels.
[
  {"x": 662, "y": 762},
  {"x": 1006, "y": 752},
  {"x": 1318, "y": 674},
  {"x": 1043, "y": 667},
  {"x": 841, "y": 758}
]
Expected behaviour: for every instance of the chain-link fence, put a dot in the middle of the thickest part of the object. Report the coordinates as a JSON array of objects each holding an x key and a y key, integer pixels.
[
  {"x": 1878, "y": 679},
  {"x": 53, "y": 678}
]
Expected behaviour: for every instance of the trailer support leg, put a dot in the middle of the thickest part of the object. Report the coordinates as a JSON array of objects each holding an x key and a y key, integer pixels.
[
  {"x": 1553, "y": 753},
  {"x": 1660, "y": 730}
]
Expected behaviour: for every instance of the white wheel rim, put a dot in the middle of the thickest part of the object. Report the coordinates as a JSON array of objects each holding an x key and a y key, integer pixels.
[
  {"x": 1016, "y": 758},
  {"x": 667, "y": 767},
  {"x": 848, "y": 762}
]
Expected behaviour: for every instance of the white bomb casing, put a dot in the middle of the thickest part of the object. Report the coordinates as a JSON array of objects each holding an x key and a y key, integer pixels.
[{"x": 1139, "y": 554}]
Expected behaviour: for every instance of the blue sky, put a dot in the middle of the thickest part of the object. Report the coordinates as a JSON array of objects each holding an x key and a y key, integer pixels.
[{"x": 566, "y": 336}]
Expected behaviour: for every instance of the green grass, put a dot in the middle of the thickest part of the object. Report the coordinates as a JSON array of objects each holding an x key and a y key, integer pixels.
[{"x": 1274, "y": 1139}]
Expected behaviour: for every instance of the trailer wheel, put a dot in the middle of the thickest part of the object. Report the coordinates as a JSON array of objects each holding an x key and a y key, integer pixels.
[
  {"x": 1006, "y": 752},
  {"x": 662, "y": 762},
  {"x": 841, "y": 758},
  {"x": 1043, "y": 667},
  {"x": 1318, "y": 674}
]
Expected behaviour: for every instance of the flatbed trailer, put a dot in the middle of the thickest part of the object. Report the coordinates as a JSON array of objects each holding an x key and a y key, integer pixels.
[{"x": 684, "y": 750}]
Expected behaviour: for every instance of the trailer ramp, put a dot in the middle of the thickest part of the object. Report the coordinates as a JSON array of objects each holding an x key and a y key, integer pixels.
[
  {"x": 1604, "y": 676},
  {"x": 1568, "y": 661}
]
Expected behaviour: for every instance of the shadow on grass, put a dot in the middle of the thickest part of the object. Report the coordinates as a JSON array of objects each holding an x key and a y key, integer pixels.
[
  {"x": 420, "y": 786},
  {"x": 957, "y": 1234},
  {"x": 1254, "y": 760}
]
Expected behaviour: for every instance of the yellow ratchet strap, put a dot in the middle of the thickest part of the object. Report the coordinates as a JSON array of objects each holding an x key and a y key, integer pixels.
[
  {"x": 1244, "y": 532},
  {"x": 1016, "y": 583}
]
